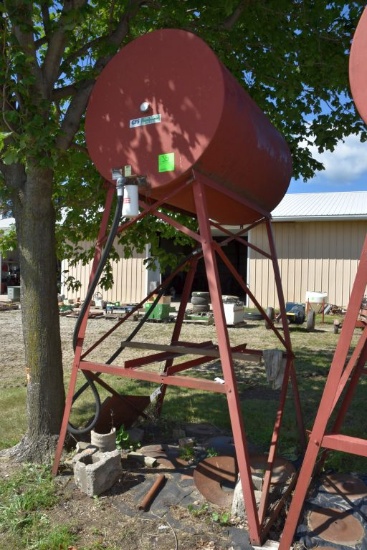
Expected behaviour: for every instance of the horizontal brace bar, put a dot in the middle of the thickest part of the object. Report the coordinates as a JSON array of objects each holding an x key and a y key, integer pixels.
[
  {"x": 188, "y": 364},
  {"x": 195, "y": 362},
  {"x": 153, "y": 358},
  {"x": 180, "y": 381},
  {"x": 345, "y": 443},
  {"x": 248, "y": 355}
]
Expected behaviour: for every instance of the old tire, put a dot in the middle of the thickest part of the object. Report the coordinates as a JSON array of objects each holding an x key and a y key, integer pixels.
[
  {"x": 200, "y": 298},
  {"x": 310, "y": 323},
  {"x": 200, "y": 308},
  {"x": 201, "y": 294},
  {"x": 199, "y": 301}
]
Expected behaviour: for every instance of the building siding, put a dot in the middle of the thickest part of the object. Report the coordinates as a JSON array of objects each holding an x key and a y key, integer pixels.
[
  {"x": 312, "y": 256},
  {"x": 132, "y": 281}
]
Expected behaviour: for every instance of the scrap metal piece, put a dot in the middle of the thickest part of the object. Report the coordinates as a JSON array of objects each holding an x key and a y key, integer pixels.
[
  {"x": 144, "y": 504},
  {"x": 215, "y": 478},
  {"x": 283, "y": 470},
  {"x": 122, "y": 409},
  {"x": 336, "y": 525},
  {"x": 345, "y": 485}
]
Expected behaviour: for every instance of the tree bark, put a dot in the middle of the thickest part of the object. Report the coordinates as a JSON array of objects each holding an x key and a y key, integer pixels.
[{"x": 35, "y": 224}]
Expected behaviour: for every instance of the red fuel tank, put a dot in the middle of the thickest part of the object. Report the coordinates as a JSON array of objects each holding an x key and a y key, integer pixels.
[
  {"x": 164, "y": 106},
  {"x": 358, "y": 66}
]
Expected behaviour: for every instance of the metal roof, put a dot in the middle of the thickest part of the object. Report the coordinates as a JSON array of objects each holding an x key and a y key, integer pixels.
[{"x": 322, "y": 206}]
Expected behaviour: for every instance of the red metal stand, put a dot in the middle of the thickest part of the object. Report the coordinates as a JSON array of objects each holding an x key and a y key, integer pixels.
[
  {"x": 261, "y": 519},
  {"x": 343, "y": 374}
]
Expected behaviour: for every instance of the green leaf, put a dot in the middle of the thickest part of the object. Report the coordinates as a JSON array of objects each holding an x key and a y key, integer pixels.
[
  {"x": 3, "y": 137},
  {"x": 10, "y": 157}
]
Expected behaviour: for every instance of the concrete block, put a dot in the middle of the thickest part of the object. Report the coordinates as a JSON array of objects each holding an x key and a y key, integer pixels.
[
  {"x": 104, "y": 442},
  {"x": 148, "y": 461},
  {"x": 96, "y": 472}
]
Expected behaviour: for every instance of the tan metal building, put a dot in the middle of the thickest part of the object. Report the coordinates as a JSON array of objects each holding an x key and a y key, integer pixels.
[
  {"x": 318, "y": 238},
  {"x": 132, "y": 280}
]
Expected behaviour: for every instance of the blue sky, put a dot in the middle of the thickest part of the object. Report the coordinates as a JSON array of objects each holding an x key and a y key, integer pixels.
[{"x": 345, "y": 169}]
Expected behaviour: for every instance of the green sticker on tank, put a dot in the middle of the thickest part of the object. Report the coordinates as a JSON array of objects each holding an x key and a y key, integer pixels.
[{"x": 166, "y": 162}]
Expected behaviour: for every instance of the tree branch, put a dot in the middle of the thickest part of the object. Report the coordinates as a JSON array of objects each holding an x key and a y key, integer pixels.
[
  {"x": 232, "y": 19},
  {"x": 56, "y": 46},
  {"x": 64, "y": 92},
  {"x": 45, "y": 18},
  {"x": 71, "y": 121},
  {"x": 79, "y": 102},
  {"x": 21, "y": 18}
]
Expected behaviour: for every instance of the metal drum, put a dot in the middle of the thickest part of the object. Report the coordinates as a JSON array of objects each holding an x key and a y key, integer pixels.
[{"x": 358, "y": 66}]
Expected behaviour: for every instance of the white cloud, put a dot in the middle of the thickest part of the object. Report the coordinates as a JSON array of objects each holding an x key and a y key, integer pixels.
[{"x": 348, "y": 161}]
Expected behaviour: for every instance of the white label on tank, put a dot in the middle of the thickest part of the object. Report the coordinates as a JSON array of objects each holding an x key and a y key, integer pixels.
[{"x": 153, "y": 119}]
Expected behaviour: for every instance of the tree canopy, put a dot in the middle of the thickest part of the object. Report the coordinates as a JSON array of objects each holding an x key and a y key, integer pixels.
[{"x": 290, "y": 55}]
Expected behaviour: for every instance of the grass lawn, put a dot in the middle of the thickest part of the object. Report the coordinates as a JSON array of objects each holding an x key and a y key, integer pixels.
[
  {"x": 313, "y": 352},
  {"x": 34, "y": 509}
]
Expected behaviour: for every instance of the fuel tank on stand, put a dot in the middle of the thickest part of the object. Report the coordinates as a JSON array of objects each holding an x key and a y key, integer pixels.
[
  {"x": 358, "y": 66},
  {"x": 165, "y": 106}
]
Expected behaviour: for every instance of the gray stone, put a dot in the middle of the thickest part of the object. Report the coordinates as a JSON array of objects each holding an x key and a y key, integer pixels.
[
  {"x": 148, "y": 461},
  {"x": 96, "y": 472},
  {"x": 238, "y": 504},
  {"x": 82, "y": 445}
]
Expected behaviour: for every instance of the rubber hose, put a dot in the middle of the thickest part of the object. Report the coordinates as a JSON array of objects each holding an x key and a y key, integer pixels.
[{"x": 85, "y": 305}]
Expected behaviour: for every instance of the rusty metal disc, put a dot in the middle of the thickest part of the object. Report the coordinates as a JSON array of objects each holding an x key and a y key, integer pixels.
[
  {"x": 283, "y": 470},
  {"x": 345, "y": 485},
  {"x": 215, "y": 478},
  {"x": 337, "y": 526}
]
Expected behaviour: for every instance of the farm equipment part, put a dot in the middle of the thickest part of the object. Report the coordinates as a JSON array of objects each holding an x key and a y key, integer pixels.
[
  {"x": 169, "y": 122},
  {"x": 360, "y": 321},
  {"x": 205, "y": 317},
  {"x": 296, "y": 314}
]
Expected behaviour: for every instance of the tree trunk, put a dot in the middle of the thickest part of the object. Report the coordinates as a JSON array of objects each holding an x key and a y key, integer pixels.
[{"x": 35, "y": 224}]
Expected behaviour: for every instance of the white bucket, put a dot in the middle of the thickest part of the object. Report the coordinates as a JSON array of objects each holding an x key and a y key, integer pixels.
[
  {"x": 316, "y": 297},
  {"x": 98, "y": 301}
]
